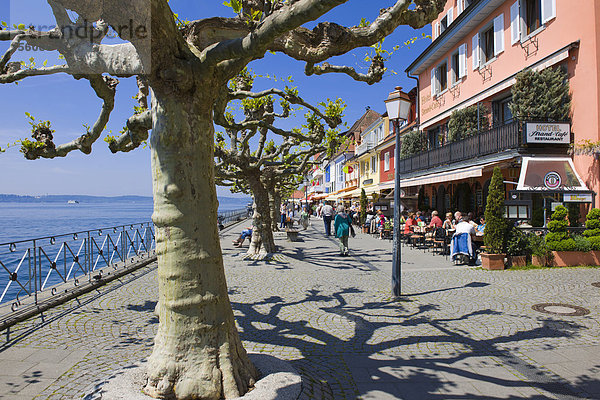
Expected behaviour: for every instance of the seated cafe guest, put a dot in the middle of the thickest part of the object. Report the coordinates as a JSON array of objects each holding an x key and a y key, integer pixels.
[
  {"x": 409, "y": 223},
  {"x": 481, "y": 226},
  {"x": 435, "y": 220},
  {"x": 448, "y": 225}
]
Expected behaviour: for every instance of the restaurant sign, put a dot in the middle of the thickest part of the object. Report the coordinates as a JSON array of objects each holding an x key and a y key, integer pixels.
[
  {"x": 577, "y": 198},
  {"x": 544, "y": 133}
]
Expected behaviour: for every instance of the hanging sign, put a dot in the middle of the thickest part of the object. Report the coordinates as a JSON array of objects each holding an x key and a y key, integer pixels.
[
  {"x": 544, "y": 133},
  {"x": 350, "y": 169},
  {"x": 577, "y": 198},
  {"x": 552, "y": 180}
]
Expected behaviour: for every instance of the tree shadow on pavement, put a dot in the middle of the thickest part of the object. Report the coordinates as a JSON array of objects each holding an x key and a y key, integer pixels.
[{"x": 391, "y": 349}]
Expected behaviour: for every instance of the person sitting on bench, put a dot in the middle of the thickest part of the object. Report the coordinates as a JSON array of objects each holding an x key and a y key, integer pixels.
[{"x": 246, "y": 233}]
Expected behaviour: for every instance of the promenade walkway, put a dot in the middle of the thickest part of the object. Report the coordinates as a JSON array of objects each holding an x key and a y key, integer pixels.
[{"x": 458, "y": 333}]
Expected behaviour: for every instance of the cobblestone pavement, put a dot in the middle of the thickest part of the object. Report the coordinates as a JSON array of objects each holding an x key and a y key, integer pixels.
[{"x": 457, "y": 333}]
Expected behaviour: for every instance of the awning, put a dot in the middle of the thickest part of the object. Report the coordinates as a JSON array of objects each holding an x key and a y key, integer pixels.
[
  {"x": 350, "y": 195},
  {"x": 320, "y": 196},
  {"x": 448, "y": 176},
  {"x": 549, "y": 174},
  {"x": 387, "y": 185}
]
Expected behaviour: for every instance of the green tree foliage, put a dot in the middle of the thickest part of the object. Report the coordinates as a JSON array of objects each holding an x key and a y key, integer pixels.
[
  {"x": 363, "y": 207},
  {"x": 495, "y": 229},
  {"x": 463, "y": 123},
  {"x": 543, "y": 94},
  {"x": 413, "y": 143}
]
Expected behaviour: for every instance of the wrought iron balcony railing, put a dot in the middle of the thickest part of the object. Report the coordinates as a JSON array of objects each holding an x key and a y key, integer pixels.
[{"x": 494, "y": 140}]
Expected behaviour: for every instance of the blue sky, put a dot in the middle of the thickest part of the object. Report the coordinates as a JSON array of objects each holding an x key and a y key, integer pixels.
[{"x": 69, "y": 104}]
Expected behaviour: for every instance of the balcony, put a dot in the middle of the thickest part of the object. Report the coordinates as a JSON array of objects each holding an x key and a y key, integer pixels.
[
  {"x": 494, "y": 140},
  {"x": 364, "y": 147}
]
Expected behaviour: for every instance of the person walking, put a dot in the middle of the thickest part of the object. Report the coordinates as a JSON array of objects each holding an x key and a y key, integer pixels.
[
  {"x": 343, "y": 227},
  {"x": 327, "y": 213},
  {"x": 282, "y": 211}
]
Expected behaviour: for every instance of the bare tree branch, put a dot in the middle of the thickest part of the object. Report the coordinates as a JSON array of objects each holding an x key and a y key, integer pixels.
[
  {"x": 105, "y": 88},
  {"x": 19, "y": 74},
  {"x": 374, "y": 75},
  {"x": 136, "y": 133},
  {"x": 327, "y": 39}
]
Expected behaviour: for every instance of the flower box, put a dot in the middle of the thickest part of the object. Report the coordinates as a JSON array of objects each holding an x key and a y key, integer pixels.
[
  {"x": 492, "y": 262},
  {"x": 574, "y": 258}
]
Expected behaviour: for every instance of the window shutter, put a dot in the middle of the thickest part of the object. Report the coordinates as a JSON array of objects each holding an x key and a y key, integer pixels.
[
  {"x": 437, "y": 27},
  {"x": 548, "y": 10},
  {"x": 515, "y": 23},
  {"x": 450, "y": 16},
  {"x": 462, "y": 61},
  {"x": 460, "y": 7},
  {"x": 475, "y": 51},
  {"x": 499, "y": 34},
  {"x": 433, "y": 82}
]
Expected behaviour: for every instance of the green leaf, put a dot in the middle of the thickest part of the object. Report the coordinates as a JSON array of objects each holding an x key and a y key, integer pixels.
[
  {"x": 21, "y": 27},
  {"x": 236, "y": 5},
  {"x": 4, "y": 24}
]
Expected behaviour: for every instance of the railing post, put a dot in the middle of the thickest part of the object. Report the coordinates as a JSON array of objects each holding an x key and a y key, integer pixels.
[
  {"x": 35, "y": 270},
  {"x": 88, "y": 249}
]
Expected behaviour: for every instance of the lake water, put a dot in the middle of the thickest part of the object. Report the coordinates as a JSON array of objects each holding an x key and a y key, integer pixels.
[{"x": 22, "y": 221}]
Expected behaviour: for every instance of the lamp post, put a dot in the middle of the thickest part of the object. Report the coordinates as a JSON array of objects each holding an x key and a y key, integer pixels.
[{"x": 398, "y": 107}]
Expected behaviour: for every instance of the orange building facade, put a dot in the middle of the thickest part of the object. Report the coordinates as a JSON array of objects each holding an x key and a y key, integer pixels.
[{"x": 478, "y": 48}]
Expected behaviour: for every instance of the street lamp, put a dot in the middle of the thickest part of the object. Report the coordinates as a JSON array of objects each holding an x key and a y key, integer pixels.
[{"x": 398, "y": 107}]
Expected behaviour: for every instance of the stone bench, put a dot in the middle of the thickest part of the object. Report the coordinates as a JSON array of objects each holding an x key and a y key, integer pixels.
[{"x": 292, "y": 234}]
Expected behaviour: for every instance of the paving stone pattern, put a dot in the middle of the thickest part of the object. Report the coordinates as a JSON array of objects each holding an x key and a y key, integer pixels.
[{"x": 458, "y": 332}]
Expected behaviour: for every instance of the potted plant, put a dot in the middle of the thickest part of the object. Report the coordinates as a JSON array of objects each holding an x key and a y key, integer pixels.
[
  {"x": 495, "y": 229},
  {"x": 570, "y": 250},
  {"x": 363, "y": 211},
  {"x": 517, "y": 248},
  {"x": 540, "y": 254}
]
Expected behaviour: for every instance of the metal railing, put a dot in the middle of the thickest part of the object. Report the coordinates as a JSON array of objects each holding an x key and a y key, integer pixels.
[
  {"x": 492, "y": 141},
  {"x": 30, "y": 268},
  {"x": 235, "y": 215}
]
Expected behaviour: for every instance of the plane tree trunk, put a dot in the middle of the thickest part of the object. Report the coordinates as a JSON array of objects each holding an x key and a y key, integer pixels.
[
  {"x": 197, "y": 352},
  {"x": 262, "y": 245}
]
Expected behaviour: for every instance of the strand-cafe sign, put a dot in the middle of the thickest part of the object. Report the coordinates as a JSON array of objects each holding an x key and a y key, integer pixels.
[{"x": 547, "y": 133}]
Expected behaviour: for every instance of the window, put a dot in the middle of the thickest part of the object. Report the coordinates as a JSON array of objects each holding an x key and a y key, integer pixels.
[
  {"x": 386, "y": 161},
  {"x": 501, "y": 111},
  {"x": 444, "y": 23},
  {"x": 439, "y": 78},
  {"x": 528, "y": 16},
  {"x": 458, "y": 63},
  {"x": 532, "y": 15},
  {"x": 488, "y": 43},
  {"x": 462, "y": 5},
  {"x": 374, "y": 163}
]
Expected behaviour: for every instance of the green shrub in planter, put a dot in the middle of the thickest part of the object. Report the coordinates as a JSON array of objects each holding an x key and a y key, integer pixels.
[
  {"x": 592, "y": 228},
  {"x": 495, "y": 228},
  {"x": 582, "y": 243},
  {"x": 558, "y": 238},
  {"x": 363, "y": 207},
  {"x": 537, "y": 246},
  {"x": 594, "y": 242},
  {"x": 592, "y": 223},
  {"x": 517, "y": 243}
]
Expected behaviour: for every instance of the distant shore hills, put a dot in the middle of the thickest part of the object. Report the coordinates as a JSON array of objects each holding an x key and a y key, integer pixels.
[{"x": 15, "y": 198}]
